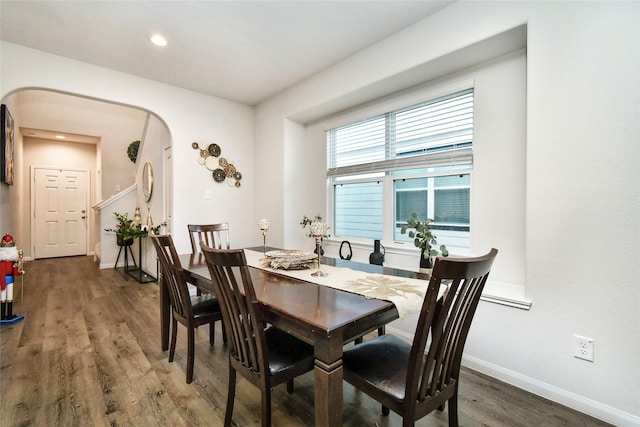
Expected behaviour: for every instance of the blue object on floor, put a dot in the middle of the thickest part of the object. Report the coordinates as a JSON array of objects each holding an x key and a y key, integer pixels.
[{"x": 17, "y": 318}]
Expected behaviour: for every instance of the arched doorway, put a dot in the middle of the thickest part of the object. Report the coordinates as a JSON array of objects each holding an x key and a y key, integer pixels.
[{"x": 107, "y": 128}]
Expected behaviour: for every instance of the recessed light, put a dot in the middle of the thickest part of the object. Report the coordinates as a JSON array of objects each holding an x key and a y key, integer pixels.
[
  {"x": 158, "y": 40},
  {"x": 60, "y": 137}
]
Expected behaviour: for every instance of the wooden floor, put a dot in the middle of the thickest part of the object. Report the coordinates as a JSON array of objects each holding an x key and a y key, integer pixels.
[{"x": 88, "y": 354}]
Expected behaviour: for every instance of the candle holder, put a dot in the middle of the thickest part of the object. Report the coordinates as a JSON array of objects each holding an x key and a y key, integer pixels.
[
  {"x": 318, "y": 230},
  {"x": 263, "y": 225},
  {"x": 136, "y": 215}
]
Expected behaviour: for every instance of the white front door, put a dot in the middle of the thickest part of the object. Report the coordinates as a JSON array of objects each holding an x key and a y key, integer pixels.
[{"x": 60, "y": 212}]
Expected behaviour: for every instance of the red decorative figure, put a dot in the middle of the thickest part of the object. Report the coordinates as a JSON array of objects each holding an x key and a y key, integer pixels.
[{"x": 9, "y": 269}]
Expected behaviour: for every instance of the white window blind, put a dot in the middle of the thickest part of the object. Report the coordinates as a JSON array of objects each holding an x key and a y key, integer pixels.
[
  {"x": 431, "y": 134},
  {"x": 358, "y": 210}
]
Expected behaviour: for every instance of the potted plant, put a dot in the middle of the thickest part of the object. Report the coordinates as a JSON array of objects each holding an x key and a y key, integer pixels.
[
  {"x": 423, "y": 238},
  {"x": 126, "y": 230}
]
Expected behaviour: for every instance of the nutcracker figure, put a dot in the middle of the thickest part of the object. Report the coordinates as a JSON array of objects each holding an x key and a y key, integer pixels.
[{"x": 10, "y": 268}]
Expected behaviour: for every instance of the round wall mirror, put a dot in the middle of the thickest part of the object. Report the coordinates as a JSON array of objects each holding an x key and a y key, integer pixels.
[{"x": 147, "y": 181}]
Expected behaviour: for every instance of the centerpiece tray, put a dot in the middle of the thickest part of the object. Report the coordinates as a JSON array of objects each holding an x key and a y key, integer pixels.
[{"x": 289, "y": 259}]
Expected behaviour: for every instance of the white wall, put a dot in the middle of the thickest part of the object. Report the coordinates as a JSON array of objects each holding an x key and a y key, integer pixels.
[
  {"x": 582, "y": 193},
  {"x": 156, "y": 136},
  {"x": 189, "y": 117}
]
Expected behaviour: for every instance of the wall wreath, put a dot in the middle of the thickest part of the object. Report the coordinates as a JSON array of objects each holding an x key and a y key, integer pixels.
[{"x": 132, "y": 150}]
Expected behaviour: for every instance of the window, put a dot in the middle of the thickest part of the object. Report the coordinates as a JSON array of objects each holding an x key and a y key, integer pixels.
[
  {"x": 416, "y": 159},
  {"x": 445, "y": 198},
  {"x": 359, "y": 208}
]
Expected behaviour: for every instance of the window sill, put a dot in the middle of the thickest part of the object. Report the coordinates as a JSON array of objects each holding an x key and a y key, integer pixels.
[
  {"x": 404, "y": 257},
  {"x": 505, "y": 294}
]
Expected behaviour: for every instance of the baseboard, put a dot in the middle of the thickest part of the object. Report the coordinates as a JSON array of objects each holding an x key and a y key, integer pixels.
[
  {"x": 405, "y": 336},
  {"x": 572, "y": 400},
  {"x": 563, "y": 397},
  {"x": 103, "y": 266}
]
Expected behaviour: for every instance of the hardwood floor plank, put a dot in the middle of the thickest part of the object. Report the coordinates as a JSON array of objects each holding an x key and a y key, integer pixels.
[
  {"x": 20, "y": 384},
  {"x": 88, "y": 354},
  {"x": 87, "y": 394},
  {"x": 55, "y": 389},
  {"x": 77, "y": 338}
]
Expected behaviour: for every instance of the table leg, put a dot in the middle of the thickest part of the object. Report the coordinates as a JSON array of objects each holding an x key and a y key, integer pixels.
[
  {"x": 328, "y": 393},
  {"x": 165, "y": 313}
]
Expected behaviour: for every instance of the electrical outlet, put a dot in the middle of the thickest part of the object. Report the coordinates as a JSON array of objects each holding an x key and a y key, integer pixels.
[{"x": 583, "y": 348}]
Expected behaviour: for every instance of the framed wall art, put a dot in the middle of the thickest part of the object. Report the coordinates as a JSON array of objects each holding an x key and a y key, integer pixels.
[{"x": 6, "y": 146}]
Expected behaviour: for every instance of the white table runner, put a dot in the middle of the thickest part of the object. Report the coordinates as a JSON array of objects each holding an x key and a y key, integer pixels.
[{"x": 405, "y": 293}]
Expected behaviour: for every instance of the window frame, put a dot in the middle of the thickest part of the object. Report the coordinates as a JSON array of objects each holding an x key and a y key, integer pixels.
[
  {"x": 446, "y": 237},
  {"x": 460, "y": 157}
]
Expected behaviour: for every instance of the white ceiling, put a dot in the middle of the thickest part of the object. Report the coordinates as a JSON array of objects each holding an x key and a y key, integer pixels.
[
  {"x": 245, "y": 51},
  {"x": 65, "y": 136}
]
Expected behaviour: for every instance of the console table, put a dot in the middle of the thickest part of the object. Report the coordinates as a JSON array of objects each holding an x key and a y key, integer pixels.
[{"x": 138, "y": 272}]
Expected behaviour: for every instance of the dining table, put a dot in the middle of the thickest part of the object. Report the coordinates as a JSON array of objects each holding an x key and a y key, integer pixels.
[{"x": 323, "y": 316}]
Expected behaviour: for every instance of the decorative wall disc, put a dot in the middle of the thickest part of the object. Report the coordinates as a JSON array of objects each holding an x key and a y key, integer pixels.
[
  {"x": 229, "y": 170},
  {"x": 214, "y": 150},
  {"x": 211, "y": 163},
  {"x": 218, "y": 175}
]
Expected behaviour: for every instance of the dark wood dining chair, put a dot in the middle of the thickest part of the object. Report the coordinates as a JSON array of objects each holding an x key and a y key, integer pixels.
[
  {"x": 191, "y": 311},
  {"x": 213, "y": 236},
  {"x": 265, "y": 356},
  {"x": 399, "y": 374}
]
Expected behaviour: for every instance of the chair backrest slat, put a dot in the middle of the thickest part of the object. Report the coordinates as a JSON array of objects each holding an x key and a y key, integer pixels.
[
  {"x": 213, "y": 236},
  {"x": 447, "y": 322},
  {"x": 173, "y": 275},
  {"x": 241, "y": 313}
]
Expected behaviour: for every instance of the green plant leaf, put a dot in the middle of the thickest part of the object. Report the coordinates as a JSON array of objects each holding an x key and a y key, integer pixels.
[{"x": 423, "y": 236}]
